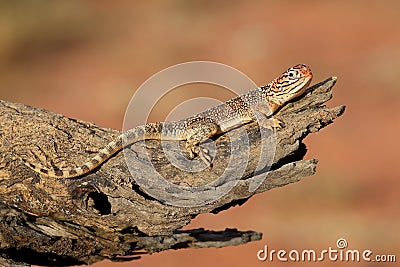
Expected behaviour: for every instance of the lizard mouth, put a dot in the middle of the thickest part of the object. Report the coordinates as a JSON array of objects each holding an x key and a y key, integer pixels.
[{"x": 308, "y": 78}]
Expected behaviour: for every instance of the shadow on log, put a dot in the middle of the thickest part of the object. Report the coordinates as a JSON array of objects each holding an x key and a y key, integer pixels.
[{"x": 107, "y": 214}]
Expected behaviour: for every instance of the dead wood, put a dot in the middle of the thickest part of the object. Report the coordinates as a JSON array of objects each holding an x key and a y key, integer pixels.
[{"x": 107, "y": 213}]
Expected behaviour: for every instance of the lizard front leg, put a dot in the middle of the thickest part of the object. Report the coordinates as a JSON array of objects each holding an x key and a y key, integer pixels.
[
  {"x": 265, "y": 119},
  {"x": 269, "y": 123},
  {"x": 199, "y": 130}
]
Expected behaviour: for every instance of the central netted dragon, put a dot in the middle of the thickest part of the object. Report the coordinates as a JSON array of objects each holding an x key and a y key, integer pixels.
[{"x": 256, "y": 105}]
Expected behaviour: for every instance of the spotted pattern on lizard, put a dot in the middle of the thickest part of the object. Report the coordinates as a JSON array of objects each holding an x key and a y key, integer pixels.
[{"x": 263, "y": 101}]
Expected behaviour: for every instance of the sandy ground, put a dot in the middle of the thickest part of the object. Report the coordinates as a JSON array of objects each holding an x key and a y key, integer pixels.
[{"x": 86, "y": 59}]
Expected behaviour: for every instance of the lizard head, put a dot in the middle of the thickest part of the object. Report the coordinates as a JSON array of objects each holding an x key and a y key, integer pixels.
[{"x": 290, "y": 84}]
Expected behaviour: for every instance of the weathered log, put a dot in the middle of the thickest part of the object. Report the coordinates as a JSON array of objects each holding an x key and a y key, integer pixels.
[{"x": 109, "y": 213}]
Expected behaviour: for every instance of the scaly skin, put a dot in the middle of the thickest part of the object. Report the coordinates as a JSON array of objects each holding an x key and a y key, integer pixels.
[{"x": 264, "y": 100}]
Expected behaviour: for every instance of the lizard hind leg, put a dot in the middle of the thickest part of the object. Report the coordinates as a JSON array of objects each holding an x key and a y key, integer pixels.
[{"x": 199, "y": 130}]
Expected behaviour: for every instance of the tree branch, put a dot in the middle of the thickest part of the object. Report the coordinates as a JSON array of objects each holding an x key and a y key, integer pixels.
[{"x": 109, "y": 213}]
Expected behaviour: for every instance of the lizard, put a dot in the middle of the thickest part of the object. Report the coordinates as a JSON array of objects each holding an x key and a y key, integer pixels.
[{"x": 264, "y": 100}]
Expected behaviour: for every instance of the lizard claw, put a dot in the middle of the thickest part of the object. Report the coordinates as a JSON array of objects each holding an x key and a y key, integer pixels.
[
  {"x": 205, "y": 156},
  {"x": 192, "y": 149},
  {"x": 191, "y": 154},
  {"x": 202, "y": 152},
  {"x": 277, "y": 123},
  {"x": 272, "y": 123}
]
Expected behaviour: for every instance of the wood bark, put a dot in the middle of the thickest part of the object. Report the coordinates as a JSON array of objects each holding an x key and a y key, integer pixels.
[{"x": 108, "y": 213}]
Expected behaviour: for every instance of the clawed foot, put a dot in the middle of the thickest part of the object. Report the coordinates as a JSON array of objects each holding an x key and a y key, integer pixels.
[
  {"x": 277, "y": 123},
  {"x": 271, "y": 123},
  {"x": 204, "y": 154},
  {"x": 206, "y": 157}
]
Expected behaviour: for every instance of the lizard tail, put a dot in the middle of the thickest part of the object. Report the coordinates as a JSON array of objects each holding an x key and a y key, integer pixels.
[
  {"x": 148, "y": 131},
  {"x": 129, "y": 137},
  {"x": 109, "y": 150}
]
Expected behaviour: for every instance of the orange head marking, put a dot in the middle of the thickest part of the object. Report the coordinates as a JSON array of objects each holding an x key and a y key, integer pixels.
[{"x": 304, "y": 70}]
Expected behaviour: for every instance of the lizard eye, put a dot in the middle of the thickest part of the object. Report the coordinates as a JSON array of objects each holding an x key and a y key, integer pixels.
[{"x": 291, "y": 75}]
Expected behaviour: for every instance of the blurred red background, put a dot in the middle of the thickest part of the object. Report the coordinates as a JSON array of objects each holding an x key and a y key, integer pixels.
[{"x": 84, "y": 59}]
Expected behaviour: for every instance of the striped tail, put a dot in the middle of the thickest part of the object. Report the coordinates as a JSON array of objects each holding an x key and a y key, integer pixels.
[
  {"x": 127, "y": 138},
  {"x": 94, "y": 162}
]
